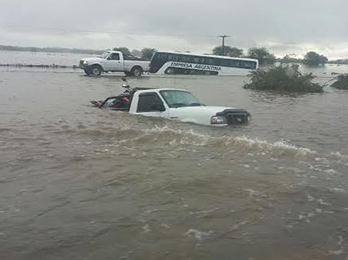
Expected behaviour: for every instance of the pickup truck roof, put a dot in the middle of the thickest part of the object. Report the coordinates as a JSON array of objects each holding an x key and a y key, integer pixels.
[
  {"x": 157, "y": 90},
  {"x": 127, "y": 57}
]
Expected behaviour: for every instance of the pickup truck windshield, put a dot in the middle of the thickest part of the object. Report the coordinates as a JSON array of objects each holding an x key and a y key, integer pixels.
[
  {"x": 104, "y": 55},
  {"x": 178, "y": 98}
]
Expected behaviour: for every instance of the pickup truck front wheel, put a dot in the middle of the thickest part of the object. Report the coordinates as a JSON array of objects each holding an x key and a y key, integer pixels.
[
  {"x": 137, "y": 71},
  {"x": 96, "y": 70},
  {"x": 88, "y": 71}
]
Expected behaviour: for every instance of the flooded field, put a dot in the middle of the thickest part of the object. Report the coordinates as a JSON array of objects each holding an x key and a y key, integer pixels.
[{"x": 78, "y": 182}]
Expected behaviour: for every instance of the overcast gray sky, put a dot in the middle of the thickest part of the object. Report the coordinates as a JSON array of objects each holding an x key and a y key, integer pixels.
[{"x": 282, "y": 26}]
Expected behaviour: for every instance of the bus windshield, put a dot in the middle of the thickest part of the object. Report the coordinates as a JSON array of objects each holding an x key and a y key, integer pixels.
[{"x": 178, "y": 98}]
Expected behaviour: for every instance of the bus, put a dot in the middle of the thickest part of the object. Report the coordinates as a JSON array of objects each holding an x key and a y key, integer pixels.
[{"x": 196, "y": 64}]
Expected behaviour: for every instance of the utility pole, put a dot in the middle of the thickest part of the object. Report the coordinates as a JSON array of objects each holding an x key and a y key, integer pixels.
[{"x": 223, "y": 43}]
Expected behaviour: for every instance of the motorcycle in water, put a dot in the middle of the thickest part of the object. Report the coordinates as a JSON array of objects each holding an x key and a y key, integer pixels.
[{"x": 120, "y": 102}]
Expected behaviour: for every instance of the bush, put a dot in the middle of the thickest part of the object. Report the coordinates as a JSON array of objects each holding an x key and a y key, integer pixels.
[
  {"x": 125, "y": 51},
  {"x": 314, "y": 59},
  {"x": 147, "y": 53},
  {"x": 341, "y": 82},
  {"x": 283, "y": 79}
]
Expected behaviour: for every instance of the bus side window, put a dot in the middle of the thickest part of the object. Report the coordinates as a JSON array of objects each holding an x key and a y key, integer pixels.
[
  {"x": 186, "y": 58},
  {"x": 161, "y": 56},
  {"x": 182, "y": 58},
  {"x": 243, "y": 65},
  {"x": 216, "y": 62},
  {"x": 202, "y": 60},
  {"x": 209, "y": 61},
  {"x": 235, "y": 63},
  {"x": 173, "y": 57},
  {"x": 225, "y": 63},
  {"x": 247, "y": 65}
]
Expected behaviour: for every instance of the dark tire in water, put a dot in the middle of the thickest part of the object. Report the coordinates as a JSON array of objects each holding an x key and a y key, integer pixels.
[
  {"x": 96, "y": 70},
  {"x": 170, "y": 71},
  {"x": 137, "y": 71},
  {"x": 88, "y": 71}
]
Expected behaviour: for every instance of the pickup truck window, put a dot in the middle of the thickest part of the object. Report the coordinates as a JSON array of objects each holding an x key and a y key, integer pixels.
[
  {"x": 149, "y": 102},
  {"x": 178, "y": 98},
  {"x": 114, "y": 56}
]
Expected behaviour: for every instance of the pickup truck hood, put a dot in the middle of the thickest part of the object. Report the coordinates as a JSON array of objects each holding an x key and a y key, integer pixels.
[
  {"x": 93, "y": 59},
  {"x": 196, "y": 114}
]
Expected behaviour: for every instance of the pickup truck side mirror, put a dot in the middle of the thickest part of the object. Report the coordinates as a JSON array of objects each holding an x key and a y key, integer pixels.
[{"x": 158, "y": 107}]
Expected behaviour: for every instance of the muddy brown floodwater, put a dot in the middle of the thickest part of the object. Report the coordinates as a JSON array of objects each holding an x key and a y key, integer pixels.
[{"x": 77, "y": 182}]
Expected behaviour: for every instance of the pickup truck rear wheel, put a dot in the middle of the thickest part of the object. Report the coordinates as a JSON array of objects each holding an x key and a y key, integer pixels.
[
  {"x": 137, "y": 71},
  {"x": 96, "y": 70}
]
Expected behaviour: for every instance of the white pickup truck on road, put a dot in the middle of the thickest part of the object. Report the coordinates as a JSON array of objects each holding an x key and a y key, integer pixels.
[
  {"x": 114, "y": 61},
  {"x": 175, "y": 104}
]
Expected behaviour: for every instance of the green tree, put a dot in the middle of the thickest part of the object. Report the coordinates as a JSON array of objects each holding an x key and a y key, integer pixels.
[
  {"x": 136, "y": 53},
  {"x": 147, "y": 53},
  {"x": 290, "y": 58},
  {"x": 229, "y": 51},
  {"x": 262, "y": 55},
  {"x": 314, "y": 59},
  {"x": 124, "y": 50}
]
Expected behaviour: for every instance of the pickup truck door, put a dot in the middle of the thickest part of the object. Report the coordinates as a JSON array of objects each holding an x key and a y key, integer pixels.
[
  {"x": 150, "y": 104},
  {"x": 113, "y": 62}
]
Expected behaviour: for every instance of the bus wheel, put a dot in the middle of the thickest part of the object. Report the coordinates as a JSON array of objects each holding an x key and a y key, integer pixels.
[
  {"x": 96, "y": 70},
  {"x": 170, "y": 71},
  {"x": 137, "y": 71}
]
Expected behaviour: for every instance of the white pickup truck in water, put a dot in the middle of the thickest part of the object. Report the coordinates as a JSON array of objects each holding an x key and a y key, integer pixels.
[
  {"x": 175, "y": 104},
  {"x": 114, "y": 61}
]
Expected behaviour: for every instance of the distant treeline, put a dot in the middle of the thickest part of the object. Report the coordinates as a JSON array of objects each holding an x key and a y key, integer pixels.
[
  {"x": 311, "y": 58},
  {"x": 46, "y": 66},
  {"x": 340, "y": 61},
  {"x": 264, "y": 56},
  {"x": 49, "y": 49},
  {"x": 261, "y": 54}
]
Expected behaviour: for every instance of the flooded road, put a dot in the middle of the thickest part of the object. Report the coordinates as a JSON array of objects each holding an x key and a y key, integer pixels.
[{"x": 77, "y": 182}]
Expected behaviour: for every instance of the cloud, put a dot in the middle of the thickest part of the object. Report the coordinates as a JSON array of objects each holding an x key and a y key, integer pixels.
[{"x": 194, "y": 25}]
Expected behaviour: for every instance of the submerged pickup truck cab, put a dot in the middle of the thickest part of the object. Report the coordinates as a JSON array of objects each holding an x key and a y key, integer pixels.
[
  {"x": 174, "y": 104},
  {"x": 114, "y": 61}
]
